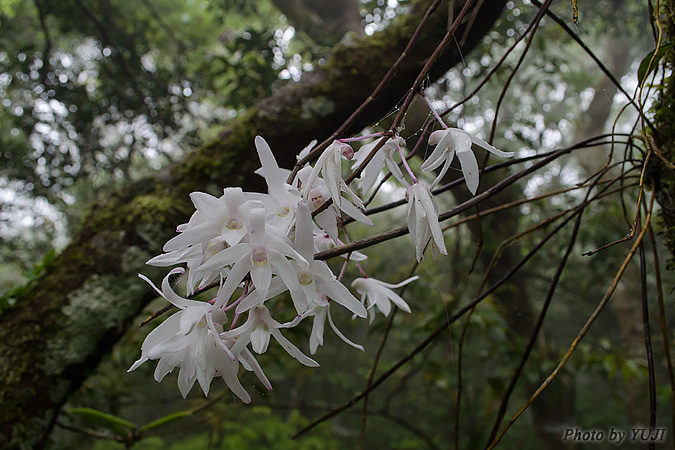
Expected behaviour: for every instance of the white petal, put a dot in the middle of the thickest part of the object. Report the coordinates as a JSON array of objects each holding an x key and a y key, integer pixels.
[
  {"x": 262, "y": 276},
  {"x": 431, "y": 212},
  {"x": 260, "y": 338},
  {"x": 238, "y": 272},
  {"x": 355, "y": 213},
  {"x": 340, "y": 294},
  {"x": 257, "y": 226},
  {"x": 316, "y": 338},
  {"x": 225, "y": 258},
  {"x": 396, "y": 172},
  {"x": 228, "y": 369},
  {"x": 166, "y": 366},
  {"x": 481, "y": 143},
  {"x": 290, "y": 279},
  {"x": 171, "y": 296},
  {"x": 382, "y": 303},
  {"x": 342, "y": 336},
  {"x": 292, "y": 349},
  {"x": 254, "y": 298},
  {"x": 273, "y": 176},
  {"x": 191, "y": 317},
  {"x": 442, "y": 173},
  {"x": 304, "y": 237},
  {"x": 401, "y": 284},
  {"x": 206, "y": 202},
  {"x": 436, "y": 136},
  {"x": 469, "y": 169},
  {"x": 398, "y": 301},
  {"x": 247, "y": 356},
  {"x": 281, "y": 248},
  {"x": 372, "y": 170},
  {"x": 194, "y": 235},
  {"x": 327, "y": 221}
]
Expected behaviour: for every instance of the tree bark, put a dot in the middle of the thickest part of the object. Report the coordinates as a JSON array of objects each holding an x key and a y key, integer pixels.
[
  {"x": 58, "y": 332},
  {"x": 662, "y": 176}
]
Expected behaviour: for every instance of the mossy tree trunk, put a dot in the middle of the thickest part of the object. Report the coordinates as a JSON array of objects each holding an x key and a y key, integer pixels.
[
  {"x": 58, "y": 332},
  {"x": 659, "y": 173}
]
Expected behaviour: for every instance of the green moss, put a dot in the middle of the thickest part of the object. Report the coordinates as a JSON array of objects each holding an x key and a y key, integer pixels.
[
  {"x": 317, "y": 106},
  {"x": 664, "y": 123}
]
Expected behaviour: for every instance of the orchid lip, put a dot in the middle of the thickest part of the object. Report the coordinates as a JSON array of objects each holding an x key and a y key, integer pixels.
[
  {"x": 259, "y": 257},
  {"x": 233, "y": 224},
  {"x": 305, "y": 277},
  {"x": 316, "y": 197}
]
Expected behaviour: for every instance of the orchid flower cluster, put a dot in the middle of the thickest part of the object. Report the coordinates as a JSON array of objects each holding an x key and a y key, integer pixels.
[{"x": 250, "y": 248}]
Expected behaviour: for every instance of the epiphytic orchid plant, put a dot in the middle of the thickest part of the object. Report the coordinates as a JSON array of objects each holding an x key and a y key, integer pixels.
[{"x": 252, "y": 248}]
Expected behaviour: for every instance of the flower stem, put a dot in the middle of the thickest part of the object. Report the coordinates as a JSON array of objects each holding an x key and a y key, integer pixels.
[
  {"x": 360, "y": 138},
  {"x": 433, "y": 110},
  {"x": 405, "y": 164}
]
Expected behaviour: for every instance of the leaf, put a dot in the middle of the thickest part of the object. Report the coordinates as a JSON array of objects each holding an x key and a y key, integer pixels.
[
  {"x": 166, "y": 419},
  {"x": 645, "y": 68},
  {"x": 102, "y": 419},
  {"x": 32, "y": 276}
]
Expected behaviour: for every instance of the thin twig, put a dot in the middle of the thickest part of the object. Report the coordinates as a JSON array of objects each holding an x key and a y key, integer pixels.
[
  {"x": 376, "y": 361},
  {"x": 648, "y": 338},
  {"x": 579, "y": 336},
  {"x": 540, "y": 320},
  {"x": 432, "y": 337},
  {"x": 664, "y": 326}
]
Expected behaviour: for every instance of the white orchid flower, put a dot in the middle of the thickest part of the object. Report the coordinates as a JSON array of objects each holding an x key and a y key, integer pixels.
[
  {"x": 262, "y": 256},
  {"x": 423, "y": 221},
  {"x": 329, "y": 165},
  {"x": 384, "y": 155},
  {"x": 453, "y": 140},
  {"x": 222, "y": 216},
  {"x": 216, "y": 224},
  {"x": 315, "y": 192},
  {"x": 319, "y": 308},
  {"x": 258, "y": 328},
  {"x": 378, "y": 294},
  {"x": 312, "y": 276},
  {"x": 285, "y": 196},
  {"x": 190, "y": 339}
]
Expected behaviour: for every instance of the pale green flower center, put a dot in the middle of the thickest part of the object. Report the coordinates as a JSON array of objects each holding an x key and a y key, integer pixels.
[
  {"x": 305, "y": 277},
  {"x": 233, "y": 224},
  {"x": 259, "y": 257}
]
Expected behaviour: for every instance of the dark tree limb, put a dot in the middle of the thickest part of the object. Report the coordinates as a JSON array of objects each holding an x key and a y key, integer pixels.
[{"x": 59, "y": 331}]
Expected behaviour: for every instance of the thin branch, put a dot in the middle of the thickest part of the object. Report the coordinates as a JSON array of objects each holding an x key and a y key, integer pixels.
[
  {"x": 410, "y": 427},
  {"x": 413, "y": 92},
  {"x": 376, "y": 92},
  {"x": 539, "y": 323},
  {"x": 579, "y": 336},
  {"x": 432, "y": 337},
  {"x": 397, "y": 232},
  {"x": 648, "y": 338},
  {"x": 376, "y": 361},
  {"x": 534, "y": 24},
  {"x": 595, "y": 59},
  {"x": 664, "y": 325}
]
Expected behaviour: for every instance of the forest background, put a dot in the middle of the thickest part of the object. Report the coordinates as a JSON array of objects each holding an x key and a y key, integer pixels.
[{"x": 113, "y": 111}]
